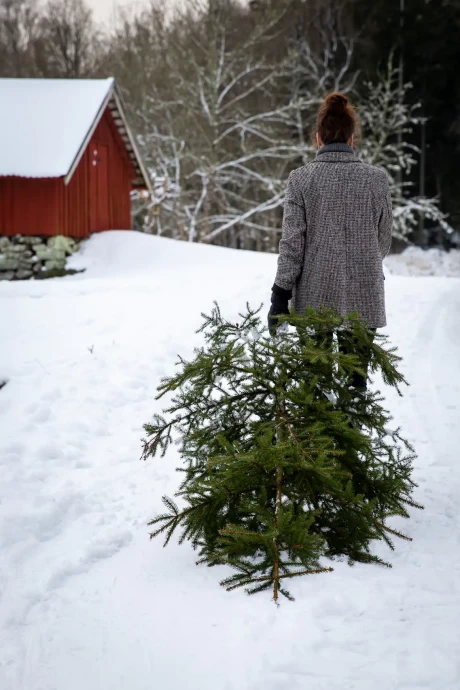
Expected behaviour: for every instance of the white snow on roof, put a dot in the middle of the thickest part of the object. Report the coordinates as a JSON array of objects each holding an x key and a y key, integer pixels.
[{"x": 44, "y": 122}]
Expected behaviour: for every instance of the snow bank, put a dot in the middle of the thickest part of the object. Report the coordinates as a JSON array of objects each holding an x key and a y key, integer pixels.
[
  {"x": 415, "y": 261},
  {"x": 118, "y": 253},
  {"x": 86, "y": 601}
]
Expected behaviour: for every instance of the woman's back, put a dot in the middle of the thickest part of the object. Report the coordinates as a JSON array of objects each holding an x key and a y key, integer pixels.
[{"x": 336, "y": 230}]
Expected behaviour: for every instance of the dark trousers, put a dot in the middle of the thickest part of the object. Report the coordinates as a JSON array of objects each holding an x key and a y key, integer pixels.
[{"x": 348, "y": 345}]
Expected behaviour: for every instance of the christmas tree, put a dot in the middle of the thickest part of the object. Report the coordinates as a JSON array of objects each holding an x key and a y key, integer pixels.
[{"x": 286, "y": 462}]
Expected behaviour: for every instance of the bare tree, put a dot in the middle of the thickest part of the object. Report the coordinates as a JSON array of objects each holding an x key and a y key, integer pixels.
[
  {"x": 57, "y": 39},
  {"x": 71, "y": 39},
  {"x": 224, "y": 115},
  {"x": 384, "y": 112},
  {"x": 19, "y": 37}
]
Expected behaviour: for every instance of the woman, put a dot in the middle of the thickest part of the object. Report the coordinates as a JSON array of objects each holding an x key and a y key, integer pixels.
[{"x": 337, "y": 226}]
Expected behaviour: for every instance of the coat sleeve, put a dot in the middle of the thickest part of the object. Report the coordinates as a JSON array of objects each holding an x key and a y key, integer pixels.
[
  {"x": 292, "y": 242},
  {"x": 386, "y": 217}
]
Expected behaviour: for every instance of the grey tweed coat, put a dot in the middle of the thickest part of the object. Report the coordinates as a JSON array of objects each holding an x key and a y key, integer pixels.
[{"x": 337, "y": 226}]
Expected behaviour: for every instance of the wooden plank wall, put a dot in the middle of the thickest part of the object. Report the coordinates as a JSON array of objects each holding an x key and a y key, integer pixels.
[{"x": 49, "y": 207}]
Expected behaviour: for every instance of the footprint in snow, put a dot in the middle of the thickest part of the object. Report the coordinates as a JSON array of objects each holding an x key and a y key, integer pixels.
[{"x": 96, "y": 551}]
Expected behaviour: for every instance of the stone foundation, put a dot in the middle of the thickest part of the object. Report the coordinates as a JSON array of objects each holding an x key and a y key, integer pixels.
[{"x": 23, "y": 257}]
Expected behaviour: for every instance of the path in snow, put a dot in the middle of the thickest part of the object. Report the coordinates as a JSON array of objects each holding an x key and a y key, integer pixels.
[{"x": 86, "y": 601}]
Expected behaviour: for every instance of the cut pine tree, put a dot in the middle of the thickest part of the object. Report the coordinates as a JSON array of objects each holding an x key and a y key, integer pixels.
[{"x": 286, "y": 465}]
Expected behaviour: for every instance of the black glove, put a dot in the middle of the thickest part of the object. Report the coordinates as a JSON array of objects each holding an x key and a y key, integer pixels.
[{"x": 280, "y": 298}]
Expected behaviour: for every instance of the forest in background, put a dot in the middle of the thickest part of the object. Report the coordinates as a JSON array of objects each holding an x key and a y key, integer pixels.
[{"x": 223, "y": 96}]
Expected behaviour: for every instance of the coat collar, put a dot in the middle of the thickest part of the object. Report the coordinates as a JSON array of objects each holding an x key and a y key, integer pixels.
[{"x": 339, "y": 152}]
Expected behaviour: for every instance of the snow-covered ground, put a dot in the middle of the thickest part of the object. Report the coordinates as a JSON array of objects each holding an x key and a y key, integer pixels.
[
  {"x": 88, "y": 603},
  {"x": 425, "y": 262}
]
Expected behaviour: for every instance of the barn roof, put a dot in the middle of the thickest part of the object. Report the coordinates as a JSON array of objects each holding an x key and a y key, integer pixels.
[{"x": 46, "y": 125}]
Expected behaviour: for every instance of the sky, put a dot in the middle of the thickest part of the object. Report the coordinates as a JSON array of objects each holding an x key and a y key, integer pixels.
[{"x": 104, "y": 10}]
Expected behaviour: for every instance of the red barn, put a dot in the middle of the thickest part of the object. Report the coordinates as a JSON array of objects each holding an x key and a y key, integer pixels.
[{"x": 68, "y": 160}]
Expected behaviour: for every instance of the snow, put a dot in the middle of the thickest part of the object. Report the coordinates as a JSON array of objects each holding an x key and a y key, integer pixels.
[
  {"x": 44, "y": 122},
  {"x": 428, "y": 262},
  {"x": 87, "y": 601}
]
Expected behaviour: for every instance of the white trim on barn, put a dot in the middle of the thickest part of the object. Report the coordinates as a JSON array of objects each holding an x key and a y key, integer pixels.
[
  {"x": 129, "y": 139},
  {"x": 114, "y": 102},
  {"x": 89, "y": 134}
]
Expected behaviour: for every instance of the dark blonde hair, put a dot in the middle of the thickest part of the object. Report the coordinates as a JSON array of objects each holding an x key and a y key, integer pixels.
[{"x": 336, "y": 120}]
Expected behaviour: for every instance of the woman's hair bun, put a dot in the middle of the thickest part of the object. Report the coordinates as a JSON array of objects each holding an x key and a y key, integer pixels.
[
  {"x": 336, "y": 103},
  {"x": 336, "y": 120}
]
